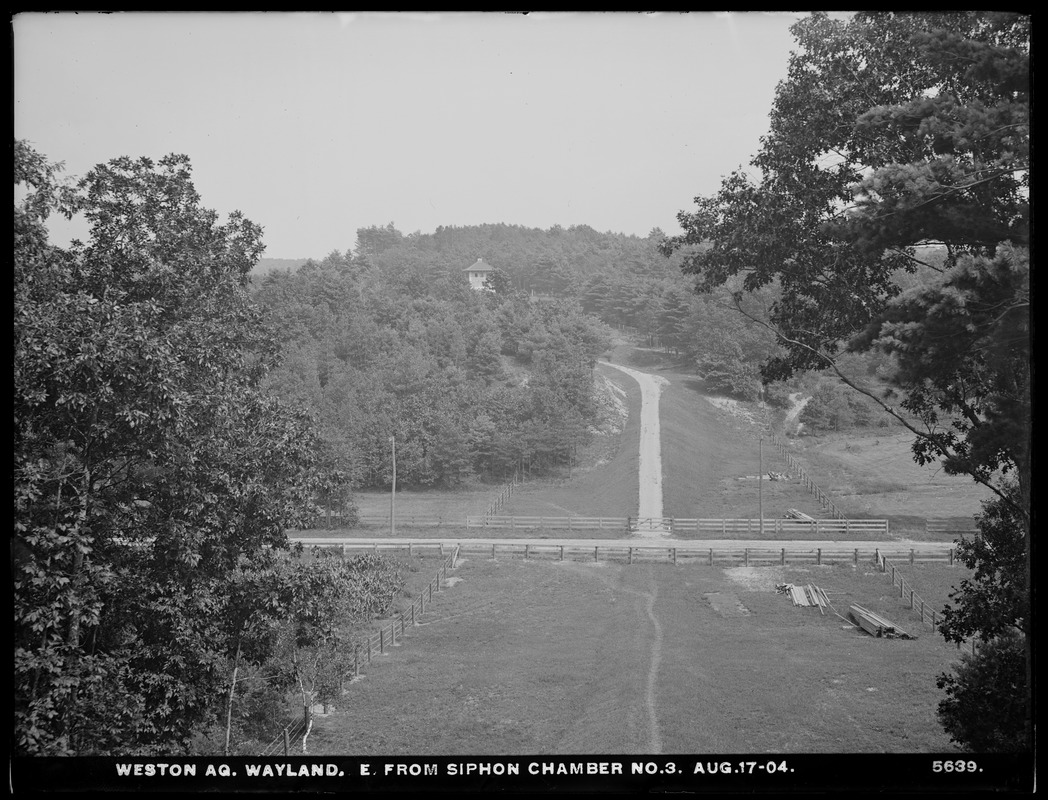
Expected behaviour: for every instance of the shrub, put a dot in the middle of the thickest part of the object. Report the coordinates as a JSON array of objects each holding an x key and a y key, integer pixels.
[{"x": 985, "y": 705}]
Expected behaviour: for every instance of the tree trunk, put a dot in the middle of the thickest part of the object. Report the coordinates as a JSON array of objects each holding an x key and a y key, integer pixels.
[{"x": 229, "y": 699}]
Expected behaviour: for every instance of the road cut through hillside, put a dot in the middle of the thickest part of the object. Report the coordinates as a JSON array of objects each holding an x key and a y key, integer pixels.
[{"x": 649, "y": 500}]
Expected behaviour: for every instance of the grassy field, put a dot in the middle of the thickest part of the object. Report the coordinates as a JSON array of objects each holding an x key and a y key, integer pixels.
[{"x": 549, "y": 657}]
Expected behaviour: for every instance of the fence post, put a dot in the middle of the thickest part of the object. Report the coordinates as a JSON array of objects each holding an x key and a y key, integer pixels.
[
  {"x": 631, "y": 555},
  {"x": 746, "y": 557},
  {"x": 951, "y": 556},
  {"x": 711, "y": 556},
  {"x": 381, "y": 640},
  {"x": 673, "y": 550},
  {"x": 525, "y": 552},
  {"x": 818, "y": 556},
  {"x": 287, "y": 743},
  {"x": 856, "y": 556},
  {"x": 911, "y": 556},
  {"x": 911, "y": 599},
  {"x": 782, "y": 557},
  {"x": 562, "y": 552},
  {"x": 595, "y": 552}
]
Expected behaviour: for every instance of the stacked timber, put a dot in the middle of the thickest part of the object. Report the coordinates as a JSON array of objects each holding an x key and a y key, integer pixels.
[
  {"x": 876, "y": 625},
  {"x": 805, "y": 595}
]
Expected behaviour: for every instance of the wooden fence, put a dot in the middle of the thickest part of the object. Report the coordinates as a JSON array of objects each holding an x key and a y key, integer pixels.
[
  {"x": 725, "y": 527},
  {"x": 951, "y": 526},
  {"x": 927, "y": 614},
  {"x": 407, "y": 521},
  {"x": 809, "y": 484},
  {"x": 505, "y": 493},
  {"x": 376, "y": 643},
  {"x": 292, "y": 732},
  {"x": 679, "y": 552},
  {"x": 370, "y": 646}
]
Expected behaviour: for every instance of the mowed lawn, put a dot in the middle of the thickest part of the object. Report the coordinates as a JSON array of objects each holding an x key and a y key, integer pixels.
[{"x": 547, "y": 657}]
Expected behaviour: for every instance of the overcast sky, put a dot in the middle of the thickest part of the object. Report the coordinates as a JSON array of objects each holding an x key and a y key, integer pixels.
[{"x": 315, "y": 125}]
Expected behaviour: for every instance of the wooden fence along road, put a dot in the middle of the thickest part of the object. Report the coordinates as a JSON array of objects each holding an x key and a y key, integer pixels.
[
  {"x": 723, "y": 552},
  {"x": 670, "y": 525}
]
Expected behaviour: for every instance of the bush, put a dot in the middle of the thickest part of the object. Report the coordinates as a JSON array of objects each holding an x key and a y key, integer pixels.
[{"x": 985, "y": 705}]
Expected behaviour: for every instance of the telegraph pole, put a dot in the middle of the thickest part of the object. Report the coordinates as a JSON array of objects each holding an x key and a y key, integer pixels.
[
  {"x": 393, "y": 494},
  {"x": 760, "y": 485}
]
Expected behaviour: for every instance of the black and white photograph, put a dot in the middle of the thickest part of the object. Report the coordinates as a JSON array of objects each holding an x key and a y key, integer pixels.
[{"x": 551, "y": 402}]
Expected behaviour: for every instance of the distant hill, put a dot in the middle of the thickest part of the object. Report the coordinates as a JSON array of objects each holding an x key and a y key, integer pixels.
[{"x": 267, "y": 265}]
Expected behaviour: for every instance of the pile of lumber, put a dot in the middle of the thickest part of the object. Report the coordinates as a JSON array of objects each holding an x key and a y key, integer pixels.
[
  {"x": 805, "y": 595},
  {"x": 793, "y": 513},
  {"x": 876, "y": 625}
]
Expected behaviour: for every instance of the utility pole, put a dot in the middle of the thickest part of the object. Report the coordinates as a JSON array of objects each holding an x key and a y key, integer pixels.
[
  {"x": 760, "y": 485},
  {"x": 393, "y": 494}
]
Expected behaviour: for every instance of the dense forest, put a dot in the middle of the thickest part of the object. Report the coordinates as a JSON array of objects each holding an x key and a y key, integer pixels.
[{"x": 389, "y": 349}]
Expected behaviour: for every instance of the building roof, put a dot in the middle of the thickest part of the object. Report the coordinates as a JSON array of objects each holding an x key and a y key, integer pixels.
[{"x": 480, "y": 266}]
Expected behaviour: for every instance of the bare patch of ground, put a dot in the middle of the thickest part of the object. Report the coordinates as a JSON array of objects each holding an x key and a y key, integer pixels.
[
  {"x": 757, "y": 579},
  {"x": 726, "y": 604}
]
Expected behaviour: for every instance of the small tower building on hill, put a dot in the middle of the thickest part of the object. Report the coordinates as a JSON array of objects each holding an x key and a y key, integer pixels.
[{"x": 478, "y": 274}]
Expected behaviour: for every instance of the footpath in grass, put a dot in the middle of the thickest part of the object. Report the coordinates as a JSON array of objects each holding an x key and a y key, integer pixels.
[{"x": 550, "y": 657}]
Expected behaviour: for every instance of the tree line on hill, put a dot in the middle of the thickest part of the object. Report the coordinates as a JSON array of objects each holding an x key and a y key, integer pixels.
[
  {"x": 389, "y": 351},
  {"x": 624, "y": 281}
]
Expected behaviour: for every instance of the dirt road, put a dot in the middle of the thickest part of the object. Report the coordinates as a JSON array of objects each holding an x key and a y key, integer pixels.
[{"x": 649, "y": 505}]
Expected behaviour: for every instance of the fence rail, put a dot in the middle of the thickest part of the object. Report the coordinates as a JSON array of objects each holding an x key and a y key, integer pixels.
[
  {"x": 809, "y": 484},
  {"x": 917, "y": 603},
  {"x": 291, "y": 732},
  {"x": 372, "y": 645},
  {"x": 407, "y": 521},
  {"x": 687, "y": 552},
  {"x": 951, "y": 526},
  {"x": 675, "y": 524},
  {"x": 505, "y": 493}
]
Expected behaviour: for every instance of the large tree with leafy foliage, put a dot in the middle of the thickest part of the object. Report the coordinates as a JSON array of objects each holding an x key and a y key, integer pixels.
[
  {"x": 149, "y": 466},
  {"x": 893, "y": 131}
]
